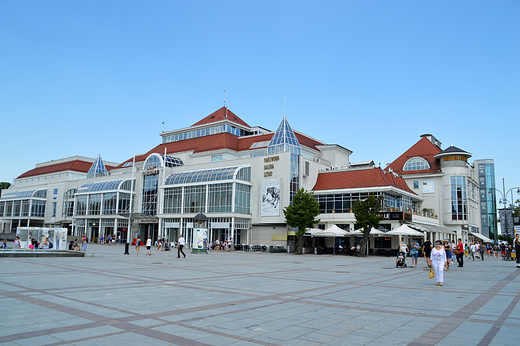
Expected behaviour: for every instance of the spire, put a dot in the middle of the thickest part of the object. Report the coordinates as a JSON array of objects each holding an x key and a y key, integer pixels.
[
  {"x": 97, "y": 169},
  {"x": 284, "y": 139}
]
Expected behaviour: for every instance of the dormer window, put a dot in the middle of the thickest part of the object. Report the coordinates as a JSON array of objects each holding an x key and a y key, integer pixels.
[{"x": 416, "y": 164}]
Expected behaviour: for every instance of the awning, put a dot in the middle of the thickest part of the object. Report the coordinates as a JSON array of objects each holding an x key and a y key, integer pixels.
[
  {"x": 430, "y": 228},
  {"x": 482, "y": 237}
]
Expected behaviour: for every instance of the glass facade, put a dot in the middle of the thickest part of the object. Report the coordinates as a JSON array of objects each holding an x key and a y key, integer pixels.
[
  {"x": 459, "y": 198},
  {"x": 488, "y": 211},
  {"x": 213, "y": 130},
  {"x": 342, "y": 203},
  {"x": 194, "y": 199},
  {"x": 172, "y": 200},
  {"x": 149, "y": 201}
]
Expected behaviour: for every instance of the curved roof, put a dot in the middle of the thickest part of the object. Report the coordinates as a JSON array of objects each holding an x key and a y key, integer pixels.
[
  {"x": 226, "y": 173},
  {"x": 423, "y": 148},
  {"x": 19, "y": 194},
  {"x": 452, "y": 151},
  {"x": 101, "y": 186}
]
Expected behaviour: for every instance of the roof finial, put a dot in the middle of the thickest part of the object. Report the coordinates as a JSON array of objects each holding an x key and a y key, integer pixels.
[
  {"x": 284, "y": 105},
  {"x": 224, "y": 97},
  {"x": 451, "y": 138}
]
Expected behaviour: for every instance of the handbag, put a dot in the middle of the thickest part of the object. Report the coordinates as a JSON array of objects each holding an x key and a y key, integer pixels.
[
  {"x": 456, "y": 251},
  {"x": 431, "y": 274}
]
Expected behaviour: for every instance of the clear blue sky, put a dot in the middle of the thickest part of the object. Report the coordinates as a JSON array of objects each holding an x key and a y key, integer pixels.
[{"x": 100, "y": 77}]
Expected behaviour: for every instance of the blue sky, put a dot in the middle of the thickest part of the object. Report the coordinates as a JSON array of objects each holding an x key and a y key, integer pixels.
[{"x": 100, "y": 77}]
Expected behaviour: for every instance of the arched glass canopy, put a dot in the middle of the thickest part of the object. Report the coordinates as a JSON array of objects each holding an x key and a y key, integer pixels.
[
  {"x": 415, "y": 164},
  {"x": 227, "y": 173},
  {"x": 105, "y": 186},
  {"x": 159, "y": 160},
  {"x": 24, "y": 194}
]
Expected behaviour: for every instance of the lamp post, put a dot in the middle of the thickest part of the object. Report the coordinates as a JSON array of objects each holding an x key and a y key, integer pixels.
[{"x": 504, "y": 201}]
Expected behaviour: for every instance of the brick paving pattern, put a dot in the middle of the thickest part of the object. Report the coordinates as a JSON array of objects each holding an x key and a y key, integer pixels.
[{"x": 253, "y": 299}]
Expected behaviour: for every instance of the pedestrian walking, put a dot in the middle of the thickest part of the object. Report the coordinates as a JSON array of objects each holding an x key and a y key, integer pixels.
[
  {"x": 180, "y": 246},
  {"x": 148, "y": 246},
  {"x": 438, "y": 257},
  {"x": 460, "y": 255},
  {"x": 472, "y": 251},
  {"x": 414, "y": 253},
  {"x": 481, "y": 249},
  {"x": 138, "y": 244},
  {"x": 427, "y": 249},
  {"x": 447, "y": 249}
]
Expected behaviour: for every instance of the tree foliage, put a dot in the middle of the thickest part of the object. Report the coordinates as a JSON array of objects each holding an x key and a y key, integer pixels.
[
  {"x": 301, "y": 214},
  {"x": 4, "y": 185},
  {"x": 367, "y": 216}
]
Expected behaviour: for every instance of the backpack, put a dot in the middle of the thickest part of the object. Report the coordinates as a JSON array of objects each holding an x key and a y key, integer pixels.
[{"x": 50, "y": 245}]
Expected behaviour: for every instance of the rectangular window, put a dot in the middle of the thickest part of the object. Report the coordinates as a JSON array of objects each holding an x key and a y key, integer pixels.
[
  {"x": 220, "y": 198},
  {"x": 124, "y": 203},
  {"x": 172, "y": 200},
  {"x": 69, "y": 208},
  {"x": 109, "y": 203},
  {"x": 194, "y": 199},
  {"x": 94, "y": 204},
  {"x": 416, "y": 184},
  {"x": 81, "y": 205},
  {"x": 54, "y": 209}
]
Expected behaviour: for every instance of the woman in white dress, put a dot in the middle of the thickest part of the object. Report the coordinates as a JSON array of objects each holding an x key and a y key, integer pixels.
[{"x": 438, "y": 258}]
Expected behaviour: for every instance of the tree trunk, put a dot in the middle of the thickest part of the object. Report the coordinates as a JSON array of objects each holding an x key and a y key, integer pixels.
[
  {"x": 363, "y": 249},
  {"x": 299, "y": 245}
]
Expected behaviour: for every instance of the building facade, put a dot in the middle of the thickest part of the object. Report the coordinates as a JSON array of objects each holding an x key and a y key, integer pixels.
[{"x": 241, "y": 177}]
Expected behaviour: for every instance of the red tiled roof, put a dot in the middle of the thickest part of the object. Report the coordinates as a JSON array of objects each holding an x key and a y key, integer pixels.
[
  {"x": 218, "y": 141},
  {"x": 374, "y": 177},
  {"x": 75, "y": 166},
  {"x": 423, "y": 148},
  {"x": 221, "y": 114}
]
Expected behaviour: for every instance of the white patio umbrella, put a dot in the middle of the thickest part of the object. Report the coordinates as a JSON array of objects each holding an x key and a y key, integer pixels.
[
  {"x": 405, "y": 230},
  {"x": 373, "y": 231}
]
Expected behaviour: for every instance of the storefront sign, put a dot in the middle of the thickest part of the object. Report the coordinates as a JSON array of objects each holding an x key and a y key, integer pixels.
[
  {"x": 271, "y": 159},
  {"x": 279, "y": 237},
  {"x": 172, "y": 225},
  {"x": 396, "y": 215},
  {"x": 220, "y": 225},
  {"x": 451, "y": 158}
]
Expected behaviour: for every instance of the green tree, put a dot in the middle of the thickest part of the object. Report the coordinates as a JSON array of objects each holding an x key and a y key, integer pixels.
[
  {"x": 367, "y": 216},
  {"x": 4, "y": 185},
  {"x": 301, "y": 213}
]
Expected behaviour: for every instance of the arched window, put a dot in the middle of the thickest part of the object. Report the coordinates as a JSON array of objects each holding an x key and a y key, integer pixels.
[{"x": 415, "y": 164}]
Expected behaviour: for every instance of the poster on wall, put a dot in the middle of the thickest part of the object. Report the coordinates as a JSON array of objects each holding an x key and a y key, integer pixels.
[
  {"x": 428, "y": 187},
  {"x": 60, "y": 239},
  {"x": 270, "y": 197}
]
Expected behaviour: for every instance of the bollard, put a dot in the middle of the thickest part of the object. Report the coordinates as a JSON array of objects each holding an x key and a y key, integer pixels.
[{"x": 127, "y": 245}]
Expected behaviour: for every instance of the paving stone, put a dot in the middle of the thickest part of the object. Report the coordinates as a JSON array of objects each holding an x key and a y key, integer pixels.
[{"x": 281, "y": 299}]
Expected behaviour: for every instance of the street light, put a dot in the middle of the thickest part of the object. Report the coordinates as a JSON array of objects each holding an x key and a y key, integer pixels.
[{"x": 504, "y": 201}]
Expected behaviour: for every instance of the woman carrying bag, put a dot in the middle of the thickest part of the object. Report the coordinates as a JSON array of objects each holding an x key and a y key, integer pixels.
[{"x": 438, "y": 258}]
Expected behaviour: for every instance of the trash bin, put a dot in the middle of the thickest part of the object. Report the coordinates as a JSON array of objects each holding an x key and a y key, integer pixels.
[{"x": 127, "y": 246}]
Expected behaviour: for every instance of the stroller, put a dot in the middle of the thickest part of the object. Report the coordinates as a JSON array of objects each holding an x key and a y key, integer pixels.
[{"x": 401, "y": 260}]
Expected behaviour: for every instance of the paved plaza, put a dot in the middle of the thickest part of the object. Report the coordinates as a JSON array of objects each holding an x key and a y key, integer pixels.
[{"x": 253, "y": 299}]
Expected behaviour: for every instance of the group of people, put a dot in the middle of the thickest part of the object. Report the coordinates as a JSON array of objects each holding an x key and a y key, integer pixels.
[
  {"x": 74, "y": 245},
  {"x": 109, "y": 240},
  {"x": 160, "y": 244},
  {"x": 438, "y": 256},
  {"x": 217, "y": 245}
]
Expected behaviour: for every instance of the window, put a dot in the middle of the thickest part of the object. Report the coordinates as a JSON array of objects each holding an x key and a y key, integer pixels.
[
  {"x": 416, "y": 184},
  {"x": 220, "y": 198},
  {"x": 194, "y": 199},
  {"x": 415, "y": 164},
  {"x": 109, "y": 203},
  {"x": 172, "y": 200},
  {"x": 54, "y": 208},
  {"x": 459, "y": 198},
  {"x": 94, "y": 204}
]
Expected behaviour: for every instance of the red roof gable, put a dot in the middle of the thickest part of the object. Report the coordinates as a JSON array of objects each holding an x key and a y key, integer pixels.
[
  {"x": 221, "y": 114},
  {"x": 75, "y": 166},
  {"x": 423, "y": 148},
  {"x": 374, "y": 177}
]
